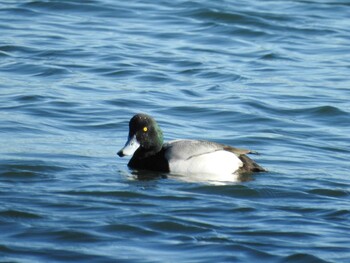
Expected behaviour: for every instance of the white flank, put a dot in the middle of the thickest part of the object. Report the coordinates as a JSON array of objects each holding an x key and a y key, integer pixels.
[{"x": 218, "y": 166}]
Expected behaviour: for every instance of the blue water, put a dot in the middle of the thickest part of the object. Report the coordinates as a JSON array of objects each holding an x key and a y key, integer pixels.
[{"x": 271, "y": 76}]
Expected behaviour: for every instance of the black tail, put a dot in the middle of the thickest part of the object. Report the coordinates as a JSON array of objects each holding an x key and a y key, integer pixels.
[{"x": 249, "y": 166}]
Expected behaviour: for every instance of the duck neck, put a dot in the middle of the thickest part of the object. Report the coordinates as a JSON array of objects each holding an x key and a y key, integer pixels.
[
  {"x": 142, "y": 152},
  {"x": 153, "y": 145}
]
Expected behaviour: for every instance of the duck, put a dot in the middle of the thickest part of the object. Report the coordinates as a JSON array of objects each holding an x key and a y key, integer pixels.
[{"x": 184, "y": 156}]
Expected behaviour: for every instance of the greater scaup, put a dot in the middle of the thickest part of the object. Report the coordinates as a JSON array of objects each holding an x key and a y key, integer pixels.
[{"x": 145, "y": 143}]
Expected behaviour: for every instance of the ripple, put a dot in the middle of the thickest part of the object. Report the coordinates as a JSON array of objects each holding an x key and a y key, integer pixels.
[
  {"x": 4, "y": 54},
  {"x": 36, "y": 70},
  {"x": 18, "y": 49},
  {"x": 18, "y": 215},
  {"x": 21, "y": 253},
  {"x": 303, "y": 257},
  {"x": 127, "y": 230},
  {"x": 6, "y": 249},
  {"x": 30, "y": 98},
  {"x": 326, "y": 114},
  {"x": 170, "y": 226},
  {"x": 226, "y": 17},
  {"x": 276, "y": 57},
  {"x": 123, "y": 194},
  {"x": 330, "y": 192},
  {"x": 74, "y": 236},
  {"x": 241, "y": 191},
  {"x": 28, "y": 169}
]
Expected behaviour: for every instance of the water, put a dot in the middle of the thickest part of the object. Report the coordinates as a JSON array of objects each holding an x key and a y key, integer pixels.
[{"x": 271, "y": 76}]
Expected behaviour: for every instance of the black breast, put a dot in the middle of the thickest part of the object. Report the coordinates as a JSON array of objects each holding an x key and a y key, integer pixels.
[{"x": 154, "y": 162}]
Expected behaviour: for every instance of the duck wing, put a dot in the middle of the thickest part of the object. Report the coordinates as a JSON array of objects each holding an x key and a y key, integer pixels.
[
  {"x": 184, "y": 151},
  {"x": 187, "y": 149}
]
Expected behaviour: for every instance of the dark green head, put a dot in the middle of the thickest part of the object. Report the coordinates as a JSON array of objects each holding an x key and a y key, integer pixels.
[{"x": 144, "y": 136}]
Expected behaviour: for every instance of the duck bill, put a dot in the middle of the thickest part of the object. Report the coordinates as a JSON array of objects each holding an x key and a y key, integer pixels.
[{"x": 130, "y": 147}]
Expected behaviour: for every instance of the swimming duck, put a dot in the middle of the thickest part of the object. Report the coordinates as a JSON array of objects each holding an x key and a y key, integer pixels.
[{"x": 145, "y": 143}]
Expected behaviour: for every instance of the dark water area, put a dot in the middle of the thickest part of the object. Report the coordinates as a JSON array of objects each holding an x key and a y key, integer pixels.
[{"x": 271, "y": 76}]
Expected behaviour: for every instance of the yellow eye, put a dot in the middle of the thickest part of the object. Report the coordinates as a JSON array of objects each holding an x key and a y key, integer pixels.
[{"x": 145, "y": 129}]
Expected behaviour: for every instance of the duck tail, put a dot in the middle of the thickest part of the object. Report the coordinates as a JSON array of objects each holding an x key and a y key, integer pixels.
[{"x": 249, "y": 165}]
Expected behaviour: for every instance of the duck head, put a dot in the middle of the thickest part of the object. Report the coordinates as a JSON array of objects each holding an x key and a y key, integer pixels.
[{"x": 145, "y": 137}]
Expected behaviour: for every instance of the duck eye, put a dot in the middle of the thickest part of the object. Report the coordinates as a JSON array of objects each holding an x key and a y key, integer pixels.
[{"x": 145, "y": 129}]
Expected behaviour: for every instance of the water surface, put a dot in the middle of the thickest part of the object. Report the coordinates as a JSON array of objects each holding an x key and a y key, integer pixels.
[{"x": 271, "y": 76}]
